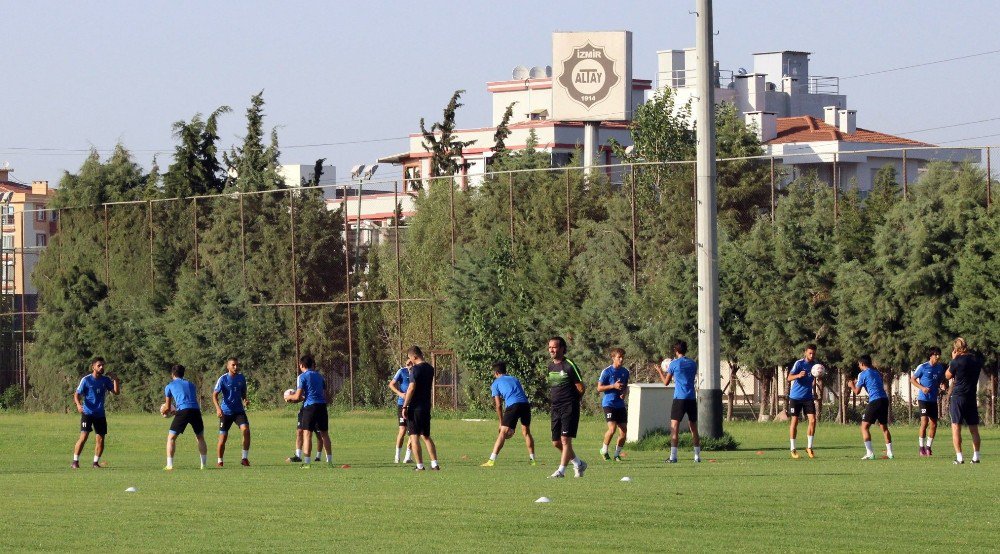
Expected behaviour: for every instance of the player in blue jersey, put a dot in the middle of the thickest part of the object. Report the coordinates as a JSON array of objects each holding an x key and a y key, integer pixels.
[
  {"x": 232, "y": 386},
  {"x": 512, "y": 405},
  {"x": 929, "y": 379},
  {"x": 613, "y": 384},
  {"x": 964, "y": 369},
  {"x": 800, "y": 400},
  {"x": 310, "y": 389},
  {"x": 398, "y": 385},
  {"x": 878, "y": 405},
  {"x": 683, "y": 372},
  {"x": 89, "y": 400},
  {"x": 184, "y": 396}
]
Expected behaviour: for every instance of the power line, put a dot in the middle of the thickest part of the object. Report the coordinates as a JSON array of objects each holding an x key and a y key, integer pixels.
[
  {"x": 968, "y": 138},
  {"x": 946, "y": 126},
  {"x": 919, "y": 65}
]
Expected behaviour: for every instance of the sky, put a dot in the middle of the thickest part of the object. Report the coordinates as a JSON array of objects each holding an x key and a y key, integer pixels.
[{"x": 356, "y": 77}]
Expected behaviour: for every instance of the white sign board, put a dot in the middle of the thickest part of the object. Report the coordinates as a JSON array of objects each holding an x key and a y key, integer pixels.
[{"x": 592, "y": 76}]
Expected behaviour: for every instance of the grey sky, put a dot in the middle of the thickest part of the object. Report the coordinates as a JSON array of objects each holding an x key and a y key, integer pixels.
[{"x": 81, "y": 74}]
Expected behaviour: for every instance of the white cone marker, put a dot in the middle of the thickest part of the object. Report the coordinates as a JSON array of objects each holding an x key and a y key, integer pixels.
[
  {"x": 626, "y": 479},
  {"x": 131, "y": 489},
  {"x": 543, "y": 500}
]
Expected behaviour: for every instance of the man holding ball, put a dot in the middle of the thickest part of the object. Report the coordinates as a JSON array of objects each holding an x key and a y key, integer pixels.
[
  {"x": 800, "y": 400},
  {"x": 682, "y": 371},
  {"x": 928, "y": 378},
  {"x": 311, "y": 391},
  {"x": 878, "y": 405}
]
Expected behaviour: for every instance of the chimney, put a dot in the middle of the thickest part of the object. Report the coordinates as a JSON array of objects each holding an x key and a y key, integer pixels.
[
  {"x": 40, "y": 187},
  {"x": 831, "y": 116},
  {"x": 848, "y": 121},
  {"x": 788, "y": 84},
  {"x": 765, "y": 124}
]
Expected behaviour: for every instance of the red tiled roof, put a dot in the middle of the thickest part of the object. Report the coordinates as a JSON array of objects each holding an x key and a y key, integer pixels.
[
  {"x": 809, "y": 129},
  {"x": 11, "y": 186}
]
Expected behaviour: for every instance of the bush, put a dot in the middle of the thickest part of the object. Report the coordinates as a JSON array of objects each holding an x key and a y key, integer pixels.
[
  {"x": 10, "y": 399},
  {"x": 659, "y": 439}
]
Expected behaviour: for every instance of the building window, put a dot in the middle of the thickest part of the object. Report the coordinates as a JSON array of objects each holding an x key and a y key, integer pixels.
[
  {"x": 8, "y": 241},
  {"x": 8, "y": 273},
  {"x": 8, "y": 215},
  {"x": 40, "y": 215},
  {"x": 41, "y": 239},
  {"x": 55, "y": 216}
]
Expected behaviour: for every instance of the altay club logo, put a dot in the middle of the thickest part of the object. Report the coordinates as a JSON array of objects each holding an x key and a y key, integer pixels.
[{"x": 588, "y": 75}]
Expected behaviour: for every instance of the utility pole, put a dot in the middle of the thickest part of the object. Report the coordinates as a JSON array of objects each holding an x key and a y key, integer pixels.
[{"x": 710, "y": 397}]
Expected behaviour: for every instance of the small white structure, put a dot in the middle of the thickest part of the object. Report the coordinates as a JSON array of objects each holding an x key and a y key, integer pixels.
[
  {"x": 297, "y": 175},
  {"x": 649, "y": 408}
]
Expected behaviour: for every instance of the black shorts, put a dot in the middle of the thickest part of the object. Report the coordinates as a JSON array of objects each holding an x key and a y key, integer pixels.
[
  {"x": 616, "y": 415},
  {"x": 227, "y": 421},
  {"x": 97, "y": 424},
  {"x": 798, "y": 408},
  {"x": 964, "y": 411},
  {"x": 682, "y": 406},
  {"x": 188, "y": 416},
  {"x": 514, "y": 412},
  {"x": 418, "y": 421},
  {"x": 565, "y": 421},
  {"x": 877, "y": 411},
  {"x": 315, "y": 418},
  {"x": 928, "y": 409},
  {"x": 399, "y": 415}
]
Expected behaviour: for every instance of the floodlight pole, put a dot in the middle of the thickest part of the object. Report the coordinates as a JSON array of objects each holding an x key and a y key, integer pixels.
[{"x": 710, "y": 397}]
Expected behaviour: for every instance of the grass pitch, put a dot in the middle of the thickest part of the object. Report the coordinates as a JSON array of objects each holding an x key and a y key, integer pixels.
[{"x": 755, "y": 498}]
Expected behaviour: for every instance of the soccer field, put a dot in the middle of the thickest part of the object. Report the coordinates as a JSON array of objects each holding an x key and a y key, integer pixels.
[{"x": 756, "y": 498}]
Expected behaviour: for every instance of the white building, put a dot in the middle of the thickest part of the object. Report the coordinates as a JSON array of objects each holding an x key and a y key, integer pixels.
[
  {"x": 297, "y": 175},
  {"x": 803, "y": 120},
  {"x": 532, "y": 98}
]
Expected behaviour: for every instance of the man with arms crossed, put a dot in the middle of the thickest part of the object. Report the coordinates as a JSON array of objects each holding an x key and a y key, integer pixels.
[
  {"x": 613, "y": 382},
  {"x": 515, "y": 406},
  {"x": 565, "y": 390},
  {"x": 928, "y": 378},
  {"x": 398, "y": 385},
  {"x": 310, "y": 389},
  {"x": 800, "y": 400},
  {"x": 185, "y": 398},
  {"x": 232, "y": 385},
  {"x": 964, "y": 369},
  {"x": 89, "y": 400},
  {"x": 417, "y": 408},
  {"x": 683, "y": 371},
  {"x": 878, "y": 406}
]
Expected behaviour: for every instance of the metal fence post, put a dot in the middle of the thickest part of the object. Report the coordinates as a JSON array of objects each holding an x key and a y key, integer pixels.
[
  {"x": 399, "y": 279},
  {"x": 906, "y": 184},
  {"x": 295, "y": 288},
  {"x": 194, "y": 208},
  {"x": 772, "y": 189},
  {"x": 635, "y": 258},
  {"x": 347, "y": 279}
]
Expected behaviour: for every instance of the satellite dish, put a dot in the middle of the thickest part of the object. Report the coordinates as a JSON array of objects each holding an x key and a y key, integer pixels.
[
  {"x": 520, "y": 73},
  {"x": 741, "y": 71},
  {"x": 357, "y": 170},
  {"x": 537, "y": 72}
]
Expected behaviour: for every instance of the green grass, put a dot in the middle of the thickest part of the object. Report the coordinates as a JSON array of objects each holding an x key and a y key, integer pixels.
[{"x": 755, "y": 498}]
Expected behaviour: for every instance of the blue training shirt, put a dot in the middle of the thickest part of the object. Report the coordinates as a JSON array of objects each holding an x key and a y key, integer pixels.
[
  {"x": 93, "y": 390},
  {"x": 402, "y": 380},
  {"x": 930, "y": 376},
  {"x": 312, "y": 385},
  {"x": 802, "y": 389},
  {"x": 510, "y": 389},
  {"x": 184, "y": 393},
  {"x": 613, "y": 398},
  {"x": 871, "y": 380},
  {"x": 684, "y": 371},
  {"x": 234, "y": 390}
]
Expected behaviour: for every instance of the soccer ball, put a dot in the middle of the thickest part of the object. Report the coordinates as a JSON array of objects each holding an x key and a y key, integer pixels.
[
  {"x": 165, "y": 409},
  {"x": 818, "y": 370},
  {"x": 288, "y": 392},
  {"x": 665, "y": 364}
]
